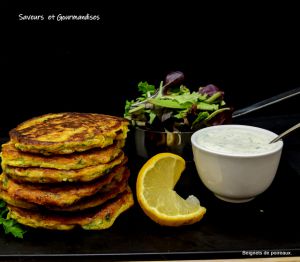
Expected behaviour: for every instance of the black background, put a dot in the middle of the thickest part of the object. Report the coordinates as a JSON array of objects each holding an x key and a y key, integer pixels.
[{"x": 249, "y": 50}]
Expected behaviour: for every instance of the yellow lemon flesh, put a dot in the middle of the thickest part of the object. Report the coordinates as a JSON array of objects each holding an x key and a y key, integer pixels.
[{"x": 156, "y": 196}]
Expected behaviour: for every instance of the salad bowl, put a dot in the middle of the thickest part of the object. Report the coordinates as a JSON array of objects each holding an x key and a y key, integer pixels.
[
  {"x": 165, "y": 118},
  {"x": 149, "y": 143}
]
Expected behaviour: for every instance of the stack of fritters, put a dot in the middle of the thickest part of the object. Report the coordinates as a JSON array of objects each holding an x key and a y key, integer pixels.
[{"x": 66, "y": 170}]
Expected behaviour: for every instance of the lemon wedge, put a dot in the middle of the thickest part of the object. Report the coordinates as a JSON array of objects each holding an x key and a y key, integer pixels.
[{"x": 156, "y": 196}]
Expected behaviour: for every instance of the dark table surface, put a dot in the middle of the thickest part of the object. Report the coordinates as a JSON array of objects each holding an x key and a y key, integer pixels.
[{"x": 269, "y": 222}]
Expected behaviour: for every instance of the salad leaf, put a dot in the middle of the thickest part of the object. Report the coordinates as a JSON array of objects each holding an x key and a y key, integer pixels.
[
  {"x": 179, "y": 90},
  {"x": 201, "y": 116},
  {"x": 152, "y": 117},
  {"x": 207, "y": 107},
  {"x": 187, "y": 98},
  {"x": 210, "y": 90},
  {"x": 214, "y": 97},
  {"x": 220, "y": 117},
  {"x": 174, "y": 77},
  {"x": 182, "y": 113},
  {"x": 166, "y": 103},
  {"x": 171, "y": 80},
  {"x": 174, "y": 107},
  {"x": 146, "y": 89},
  {"x": 128, "y": 105},
  {"x": 10, "y": 226},
  {"x": 166, "y": 116}
]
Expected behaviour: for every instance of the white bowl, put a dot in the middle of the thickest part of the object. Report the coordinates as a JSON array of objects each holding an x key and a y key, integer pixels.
[{"x": 235, "y": 173}]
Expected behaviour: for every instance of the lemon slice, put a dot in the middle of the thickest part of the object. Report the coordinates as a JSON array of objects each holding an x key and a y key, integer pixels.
[{"x": 156, "y": 196}]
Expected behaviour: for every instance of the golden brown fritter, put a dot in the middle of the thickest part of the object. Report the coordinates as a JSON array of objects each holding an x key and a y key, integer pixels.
[
  {"x": 107, "y": 192},
  {"x": 15, "y": 202},
  {"x": 58, "y": 195},
  {"x": 99, "y": 218},
  {"x": 65, "y": 170},
  {"x": 50, "y": 175},
  {"x": 65, "y": 133},
  {"x": 14, "y": 157}
]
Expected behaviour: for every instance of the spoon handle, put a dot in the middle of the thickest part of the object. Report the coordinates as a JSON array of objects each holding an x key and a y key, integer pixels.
[
  {"x": 266, "y": 102},
  {"x": 285, "y": 133}
]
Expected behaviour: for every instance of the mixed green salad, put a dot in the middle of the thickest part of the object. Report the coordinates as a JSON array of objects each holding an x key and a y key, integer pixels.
[{"x": 174, "y": 107}]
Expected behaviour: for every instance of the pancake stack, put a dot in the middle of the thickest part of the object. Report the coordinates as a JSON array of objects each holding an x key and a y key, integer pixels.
[{"x": 66, "y": 170}]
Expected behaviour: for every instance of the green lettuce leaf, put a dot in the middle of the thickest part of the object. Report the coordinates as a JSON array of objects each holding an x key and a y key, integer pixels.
[{"x": 10, "y": 226}]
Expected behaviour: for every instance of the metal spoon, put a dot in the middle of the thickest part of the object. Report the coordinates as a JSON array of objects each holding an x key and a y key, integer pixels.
[
  {"x": 285, "y": 133},
  {"x": 267, "y": 102}
]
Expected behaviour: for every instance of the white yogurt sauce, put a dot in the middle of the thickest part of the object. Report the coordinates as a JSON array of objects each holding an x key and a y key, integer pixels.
[{"x": 235, "y": 141}]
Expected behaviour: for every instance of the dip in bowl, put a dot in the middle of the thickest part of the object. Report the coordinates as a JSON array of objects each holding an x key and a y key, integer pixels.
[{"x": 236, "y": 162}]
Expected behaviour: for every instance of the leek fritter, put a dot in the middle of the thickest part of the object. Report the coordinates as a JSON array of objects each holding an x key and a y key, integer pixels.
[
  {"x": 101, "y": 217},
  {"x": 50, "y": 175},
  {"x": 109, "y": 191},
  {"x": 15, "y": 202},
  {"x": 65, "y": 133},
  {"x": 14, "y": 157},
  {"x": 58, "y": 195}
]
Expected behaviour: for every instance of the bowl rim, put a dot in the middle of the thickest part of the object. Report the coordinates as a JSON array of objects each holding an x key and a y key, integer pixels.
[{"x": 237, "y": 155}]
